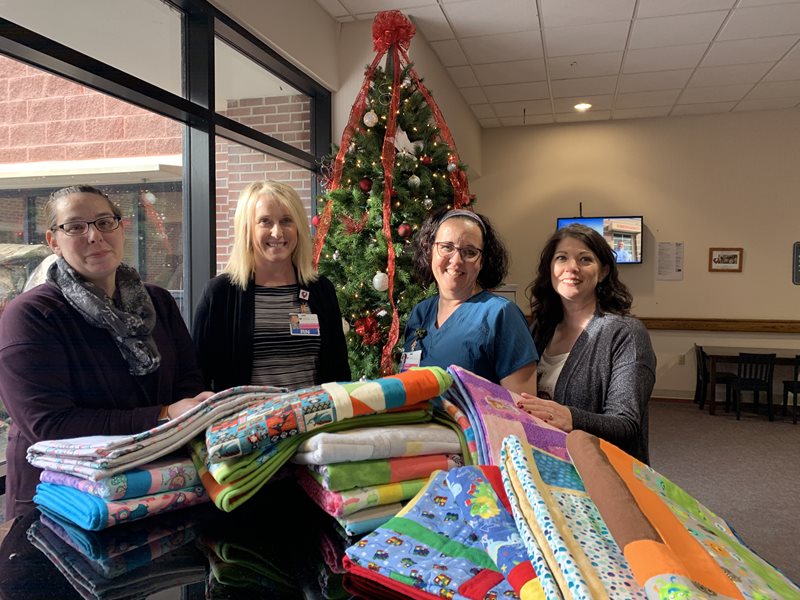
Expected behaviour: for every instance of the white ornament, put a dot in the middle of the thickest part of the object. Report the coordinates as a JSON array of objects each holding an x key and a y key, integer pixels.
[
  {"x": 371, "y": 119},
  {"x": 451, "y": 167},
  {"x": 406, "y": 82},
  {"x": 336, "y": 255},
  {"x": 381, "y": 281},
  {"x": 413, "y": 182},
  {"x": 345, "y": 326},
  {"x": 406, "y": 147}
]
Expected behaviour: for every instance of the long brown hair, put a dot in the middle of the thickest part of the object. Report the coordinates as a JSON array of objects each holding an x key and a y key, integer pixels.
[{"x": 547, "y": 310}]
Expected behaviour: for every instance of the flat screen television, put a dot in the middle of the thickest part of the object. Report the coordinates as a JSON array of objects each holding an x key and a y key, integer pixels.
[{"x": 623, "y": 234}]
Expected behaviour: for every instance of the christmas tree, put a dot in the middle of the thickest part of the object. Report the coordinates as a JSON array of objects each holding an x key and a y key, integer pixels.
[{"x": 395, "y": 165}]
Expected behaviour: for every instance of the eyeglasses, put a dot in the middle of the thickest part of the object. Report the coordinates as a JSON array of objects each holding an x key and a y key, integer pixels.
[
  {"x": 103, "y": 225},
  {"x": 468, "y": 253}
]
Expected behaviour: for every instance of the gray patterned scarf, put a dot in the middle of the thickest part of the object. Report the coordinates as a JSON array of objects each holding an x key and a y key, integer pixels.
[{"x": 131, "y": 325}]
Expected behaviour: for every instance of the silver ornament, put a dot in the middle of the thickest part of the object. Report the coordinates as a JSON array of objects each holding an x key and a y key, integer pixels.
[
  {"x": 451, "y": 167},
  {"x": 381, "y": 281},
  {"x": 427, "y": 203},
  {"x": 413, "y": 182}
]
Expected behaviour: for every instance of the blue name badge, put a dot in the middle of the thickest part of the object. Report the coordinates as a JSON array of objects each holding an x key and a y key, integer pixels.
[{"x": 303, "y": 324}]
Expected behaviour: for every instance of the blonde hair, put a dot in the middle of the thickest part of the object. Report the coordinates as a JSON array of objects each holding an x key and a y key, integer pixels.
[{"x": 242, "y": 264}]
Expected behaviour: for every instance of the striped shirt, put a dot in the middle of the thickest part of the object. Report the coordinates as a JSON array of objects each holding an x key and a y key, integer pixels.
[{"x": 279, "y": 358}]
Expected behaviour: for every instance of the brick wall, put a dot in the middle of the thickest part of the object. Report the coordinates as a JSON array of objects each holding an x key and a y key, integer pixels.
[
  {"x": 46, "y": 118},
  {"x": 286, "y": 118}
]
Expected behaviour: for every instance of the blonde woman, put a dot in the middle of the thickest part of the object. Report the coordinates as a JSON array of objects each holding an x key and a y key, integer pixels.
[{"x": 269, "y": 318}]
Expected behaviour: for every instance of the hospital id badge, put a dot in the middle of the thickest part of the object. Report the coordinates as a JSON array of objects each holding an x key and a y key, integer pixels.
[
  {"x": 303, "y": 324},
  {"x": 410, "y": 359}
]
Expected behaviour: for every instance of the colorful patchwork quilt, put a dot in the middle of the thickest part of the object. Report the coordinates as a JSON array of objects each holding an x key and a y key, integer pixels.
[
  {"x": 368, "y": 519},
  {"x": 345, "y": 503},
  {"x": 171, "y": 472},
  {"x": 675, "y": 546},
  {"x": 263, "y": 424},
  {"x": 456, "y": 539},
  {"x": 492, "y": 413},
  {"x": 90, "y": 512},
  {"x": 604, "y": 525},
  {"x": 345, "y": 476}
]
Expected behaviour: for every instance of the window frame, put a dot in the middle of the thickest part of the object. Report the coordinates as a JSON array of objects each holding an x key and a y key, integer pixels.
[{"x": 202, "y": 22}]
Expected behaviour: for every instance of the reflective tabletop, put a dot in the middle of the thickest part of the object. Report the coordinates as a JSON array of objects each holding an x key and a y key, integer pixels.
[{"x": 277, "y": 545}]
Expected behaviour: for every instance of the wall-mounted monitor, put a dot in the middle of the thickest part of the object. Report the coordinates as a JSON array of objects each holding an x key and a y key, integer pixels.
[{"x": 623, "y": 234}]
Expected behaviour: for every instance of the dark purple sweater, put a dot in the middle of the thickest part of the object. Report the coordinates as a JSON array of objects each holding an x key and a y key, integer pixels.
[{"x": 61, "y": 378}]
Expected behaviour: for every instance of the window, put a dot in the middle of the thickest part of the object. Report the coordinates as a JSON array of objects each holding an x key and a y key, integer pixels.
[{"x": 118, "y": 94}]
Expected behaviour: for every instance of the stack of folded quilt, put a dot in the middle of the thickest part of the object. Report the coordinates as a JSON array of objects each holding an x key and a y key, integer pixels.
[
  {"x": 362, "y": 476},
  {"x": 164, "y": 485},
  {"x": 241, "y": 453},
  {"x": 101, "y": 456}
]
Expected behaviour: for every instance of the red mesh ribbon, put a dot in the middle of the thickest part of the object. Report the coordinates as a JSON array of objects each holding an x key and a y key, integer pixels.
[
  {"x": 391, "y": 28},
  {"x": 387, "y": 159},
  {"x": 352, "y": 226},
  {"x": 355, "y": 115},
  {"x": 458, "y": 179}
]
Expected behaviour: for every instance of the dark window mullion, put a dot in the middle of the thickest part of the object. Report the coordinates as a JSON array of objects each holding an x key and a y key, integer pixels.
[{"x": 199, "y": 174}]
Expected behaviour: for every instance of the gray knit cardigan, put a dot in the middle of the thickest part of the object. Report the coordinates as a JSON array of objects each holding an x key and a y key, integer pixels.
[{"x": 607, "y": 380}]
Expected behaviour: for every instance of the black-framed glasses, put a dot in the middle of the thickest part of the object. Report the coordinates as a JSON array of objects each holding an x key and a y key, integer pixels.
[
  {"x": 468, "y": 253},
  {"x": 103, "y": 225}
]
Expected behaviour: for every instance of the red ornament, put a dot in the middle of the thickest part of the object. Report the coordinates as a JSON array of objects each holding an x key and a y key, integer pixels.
[
  {"x": 367, "y": 328},
  {"x": 425, "y": 159},
  {"x": 315, "y": 220},
  {"x": 365, "y": 185},
  {"x": 404, "y": 230}
]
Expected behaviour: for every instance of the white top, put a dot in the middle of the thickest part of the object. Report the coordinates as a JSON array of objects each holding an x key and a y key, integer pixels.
[{"x": 547, "y": 373}]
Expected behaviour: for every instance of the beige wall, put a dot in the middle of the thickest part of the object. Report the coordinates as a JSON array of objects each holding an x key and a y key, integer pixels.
[
  {"x": 300, "y": 30},
  {"x": 727, "y": 180}
]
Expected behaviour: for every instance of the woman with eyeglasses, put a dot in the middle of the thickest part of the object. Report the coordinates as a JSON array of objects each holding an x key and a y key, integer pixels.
[
  {"x": 598, "y": 367},
  {"x": 464, "y": 323},
  {"x": 269, "y": 318},
  {"x": 94, "y": 350}
]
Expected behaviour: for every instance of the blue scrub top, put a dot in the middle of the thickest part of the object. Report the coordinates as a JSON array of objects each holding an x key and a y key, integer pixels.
[{"x": 487, "y": 335}]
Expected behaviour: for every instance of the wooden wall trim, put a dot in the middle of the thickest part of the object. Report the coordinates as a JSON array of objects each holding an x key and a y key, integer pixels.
[{"x": 729, "y": 325}]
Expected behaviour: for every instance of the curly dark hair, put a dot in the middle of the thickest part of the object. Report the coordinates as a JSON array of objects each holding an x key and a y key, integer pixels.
[
  {"x": 547, "y": 310},
  {"x": 494, "y": 267}
]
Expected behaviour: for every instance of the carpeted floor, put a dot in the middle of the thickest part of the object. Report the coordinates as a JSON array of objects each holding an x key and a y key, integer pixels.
[{"x": 747, "y": 472}]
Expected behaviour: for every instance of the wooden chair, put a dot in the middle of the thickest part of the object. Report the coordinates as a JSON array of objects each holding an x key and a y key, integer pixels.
[
  {"x": 792, "y": 386},
  {"x": 701, "y": 384},
  {"x": 754, "y": 373}
]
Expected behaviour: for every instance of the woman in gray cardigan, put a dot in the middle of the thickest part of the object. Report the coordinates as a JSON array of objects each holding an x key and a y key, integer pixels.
[{"x": 597, "y": 368}]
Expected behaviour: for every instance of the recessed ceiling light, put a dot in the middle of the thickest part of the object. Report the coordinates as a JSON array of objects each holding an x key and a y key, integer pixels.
[{"x": 583, "y": 106}]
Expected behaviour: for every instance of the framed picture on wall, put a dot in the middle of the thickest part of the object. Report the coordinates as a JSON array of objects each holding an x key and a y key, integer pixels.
[{"x": 725, "y": 259}]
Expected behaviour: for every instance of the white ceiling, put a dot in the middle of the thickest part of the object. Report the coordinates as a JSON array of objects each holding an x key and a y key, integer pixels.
[{"x": 530, "y": 61}]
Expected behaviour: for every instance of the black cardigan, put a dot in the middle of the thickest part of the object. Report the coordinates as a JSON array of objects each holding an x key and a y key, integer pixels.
[{"x": 223, "y": 327}]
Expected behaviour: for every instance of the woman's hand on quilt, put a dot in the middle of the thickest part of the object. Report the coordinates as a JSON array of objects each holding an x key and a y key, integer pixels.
[
  {"x": 176, "y": 409},
  {"x": 548, "y": 411}
]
